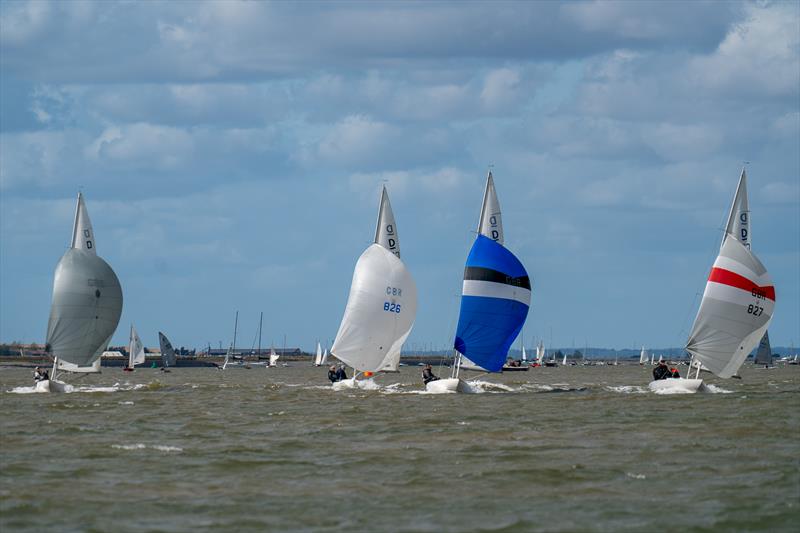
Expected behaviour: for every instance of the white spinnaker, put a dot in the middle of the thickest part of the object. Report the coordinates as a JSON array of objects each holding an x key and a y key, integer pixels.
[
  {"x": 135, "y": 349},
  {"x": 87, "y": 300},
  {"x": 386, "y": 230},
  {"x": 491, "y": 222},
  {"x": 318, "y": 357},
  {"x": 643, "y": 356},
  {"x": 739, "y": 217},
  {"x": 731, "y": 320},
  {"x": 380, "y": 310}
]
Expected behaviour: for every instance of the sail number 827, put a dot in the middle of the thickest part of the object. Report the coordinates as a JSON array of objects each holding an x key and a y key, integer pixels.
[
  {"x": 391, "y": 307},
  {"x": 754, "y": 310}
]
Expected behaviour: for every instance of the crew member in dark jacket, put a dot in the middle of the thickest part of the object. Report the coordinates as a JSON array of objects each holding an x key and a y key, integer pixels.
[
  {"x": 341, "y": 373},
  {"x": 427, "y": 375},
  {"x": 333, "y": 375},
  {"x": 661, "y": 371}
]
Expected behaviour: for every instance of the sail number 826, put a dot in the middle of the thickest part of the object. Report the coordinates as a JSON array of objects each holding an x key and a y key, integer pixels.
[
  {"x": 391, "y": 307},
  {"x": 754, "y": 310}
]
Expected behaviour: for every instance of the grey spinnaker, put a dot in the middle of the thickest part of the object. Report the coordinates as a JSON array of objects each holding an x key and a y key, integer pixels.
[{"x": 86, "y": 307}]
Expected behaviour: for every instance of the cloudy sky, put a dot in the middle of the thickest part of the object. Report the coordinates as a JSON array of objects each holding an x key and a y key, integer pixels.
[{"x": 232, "y": 154}]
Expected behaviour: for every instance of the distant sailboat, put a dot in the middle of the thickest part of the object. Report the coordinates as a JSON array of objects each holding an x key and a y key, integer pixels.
[
  {"x": 232, "y": 349},
  {"x": 524, "y": 355},
  {"x": 764, "y": 352},
  {"x": 734, "y": 313},
  {"x": 495, "y": 298},
  {"x": 540, "y": 352},
  {"x": 643, "y": 356},
  {"x": 318, "y": 357},
  {"x": 382, "y": 304},
  {"x": 86, "y": 306},
  {"x": 135, "y": 350},
  {"x": 273, "y": 357},
  {"x": 168, "y": 356},
  {"x": 324, "y": 357}
]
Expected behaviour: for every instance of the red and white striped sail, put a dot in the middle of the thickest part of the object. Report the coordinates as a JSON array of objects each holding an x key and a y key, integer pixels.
[{"x": 735, "y": 311}]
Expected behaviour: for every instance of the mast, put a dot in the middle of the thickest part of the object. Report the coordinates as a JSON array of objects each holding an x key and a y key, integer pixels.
[
  {"x": 235, "y": 329},
  {"x": 260, "y": 323}
]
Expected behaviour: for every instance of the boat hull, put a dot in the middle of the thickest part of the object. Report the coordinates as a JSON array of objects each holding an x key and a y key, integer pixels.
[
  {"x": 51, "y": 385},
  {"x": 441, "y": 386},
  {"x": 676, "y": 385}
]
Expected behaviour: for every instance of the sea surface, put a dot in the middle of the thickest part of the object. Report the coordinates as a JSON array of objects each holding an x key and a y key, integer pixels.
[{"x": 551, "y": 449}]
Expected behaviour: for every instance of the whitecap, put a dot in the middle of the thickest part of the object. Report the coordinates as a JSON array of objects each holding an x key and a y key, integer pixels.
[
  {"x": 636, "y": 476},
  {"x": 710, "y": 387},
  {"x": 628, "y": 389}
]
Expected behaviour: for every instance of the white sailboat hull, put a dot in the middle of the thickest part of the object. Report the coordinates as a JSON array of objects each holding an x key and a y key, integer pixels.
[
  {"x": 676, "y": 385},
  {"x": 442, "y": 386},
  {"x": 51, "y": 385}
]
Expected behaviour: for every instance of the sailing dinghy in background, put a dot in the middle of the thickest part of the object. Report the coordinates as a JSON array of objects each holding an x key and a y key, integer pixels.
[
  {"x": 86, "y": 306},
  {"x": 735, "y": 311},
  {"x": 495, "y": 298},
  {"x": 168, "y": 357},
  {"x": 381, "y": 306},
  {"x": 135, "y": 351}
]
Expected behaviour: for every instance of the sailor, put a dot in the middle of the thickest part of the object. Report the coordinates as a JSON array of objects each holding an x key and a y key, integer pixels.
[
  {"x": 661, "y": 371},
  {"x": 428, "y": 375},
  {"x": 37, "y": 375},
  {"x": 341, "y": 373},
  {"x": 673, "y": 373},
  {"x": 333, "y": 374}
]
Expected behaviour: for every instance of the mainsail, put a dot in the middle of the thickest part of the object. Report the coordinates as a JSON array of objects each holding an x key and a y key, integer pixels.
[
  {"x": 135, "y": 349},
  {"x": 496, "y": 293},
  {"x": 643, "y": 356},
  {"x": 524, "y": 354},
  {"x": 168, "y": 357},
  {"x": 273, "y": 357},
  {"x": 540, "y": 353},
  {"x": 382, "y": 303},
  {"x": 735, "y": 311},
  {"x": 318, "y": 358},
  {"x": 87, "y": 301},
  {"x": 764, "y": 352}
]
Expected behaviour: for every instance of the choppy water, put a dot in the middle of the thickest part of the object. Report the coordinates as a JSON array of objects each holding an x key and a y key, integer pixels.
[{"x": 552, "y": 449}]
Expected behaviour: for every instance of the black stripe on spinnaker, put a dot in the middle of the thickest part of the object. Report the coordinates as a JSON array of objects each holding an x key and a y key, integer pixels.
[{"x": 488, "y": 274}]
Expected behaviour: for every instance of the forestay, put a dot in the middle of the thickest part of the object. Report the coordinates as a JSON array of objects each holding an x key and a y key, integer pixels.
[
  {"x": 168, "y": 357},
  {"x": 87, "y": 301},
  {"x": 735, "y": 311}
]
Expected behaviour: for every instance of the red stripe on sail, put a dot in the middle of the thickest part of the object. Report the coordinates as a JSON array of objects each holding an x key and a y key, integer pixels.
[{"x": 726, "y": 277}]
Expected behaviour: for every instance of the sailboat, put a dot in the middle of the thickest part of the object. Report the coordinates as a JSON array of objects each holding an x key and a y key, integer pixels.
[
  {"x": 324, "y": 357},
  {"x": 564, "y": 360},
  {"x": 643, "y": 356},
  {"x": 135, "y": 350},
  {"x": 540, "y": 352},
  {"x": 168, "y": 357},
  {"x": 318, "y": 357},
  {"x": 524, "y": 355},
  {"x": 86, "y": 306},
  {"x": 273, "y": 357},
  {"x": 232, "y": 348},
  {"x": 764, "y": 353},
  {"x": 381, "y": 306},
  {"x": 735, "y": 311},
  {"x": 495, "y": 298}
]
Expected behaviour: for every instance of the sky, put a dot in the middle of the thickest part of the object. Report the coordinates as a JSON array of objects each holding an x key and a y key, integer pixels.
[{"x": 232, "y": 154}]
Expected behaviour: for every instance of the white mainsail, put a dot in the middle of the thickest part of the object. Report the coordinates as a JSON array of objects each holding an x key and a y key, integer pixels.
[
  {"x": 540, "y": 353},
  {"x": 491, "y": 222},
  {"x": 324, "y": 357},
  {"x": 524, "y": 354},
  {"x": 168, "y": 357},
  {"x": 318, "y": 357},
  {"x": 564, "y": 361},
  {"x": 273, "y": 357},
  {"x": 735, "y": 311},
  {"x": 87, "y": 301},
  {"x": 643, "y": 356},
  {"x": 382, "y": 304},
  {"x": 135, "y": 349}
]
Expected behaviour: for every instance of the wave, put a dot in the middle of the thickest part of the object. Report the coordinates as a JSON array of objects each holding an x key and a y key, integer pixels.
[
  {"x": 628, "y": 389},
  {"x": 140, "y": 446}
]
